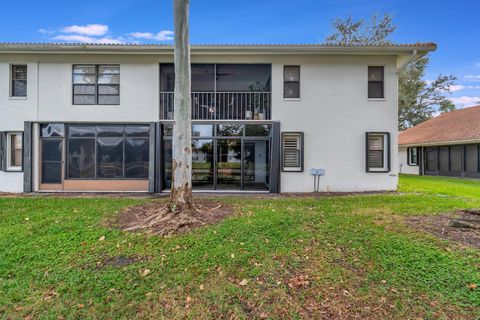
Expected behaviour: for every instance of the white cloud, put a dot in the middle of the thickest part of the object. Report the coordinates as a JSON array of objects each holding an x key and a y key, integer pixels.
[
  {"x": 89, "y": 29},
  {"x": 86, "y": 39},
  {"x": 465, "y": 101},
  {"x": 459, "y": 87},
  {"x": 75, "y": 38},
  {"x": 164, "y": 35},
  {"x": 473, "y": 77}
]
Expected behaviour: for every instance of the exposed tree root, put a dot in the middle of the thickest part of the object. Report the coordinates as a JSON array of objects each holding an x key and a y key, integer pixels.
[{"x": 159, "y": 218}]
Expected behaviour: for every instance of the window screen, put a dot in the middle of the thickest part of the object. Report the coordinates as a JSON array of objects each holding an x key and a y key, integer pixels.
[
  {"x": 378, "y": 150},
  {"x": 291, "y": 82},
  {"x": 19, "y": 81},
  {"x": 292, "y": 151},
  {"x": 96, "y": 84},
  {"x": 376, "y": 82}
]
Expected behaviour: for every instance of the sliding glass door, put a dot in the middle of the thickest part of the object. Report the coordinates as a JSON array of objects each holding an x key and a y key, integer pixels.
[{"x": 224, "y": 156}]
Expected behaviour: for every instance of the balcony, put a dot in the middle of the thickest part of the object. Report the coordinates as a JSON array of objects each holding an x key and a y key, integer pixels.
[{"x": 222, "y": 105}]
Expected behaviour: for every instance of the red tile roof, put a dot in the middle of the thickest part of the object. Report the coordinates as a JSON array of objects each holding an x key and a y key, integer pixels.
[{"x": 459, "y": 125}]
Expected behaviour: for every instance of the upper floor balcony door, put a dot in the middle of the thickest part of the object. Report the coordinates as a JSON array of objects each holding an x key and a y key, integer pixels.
[{"x": 221, "y": 91}]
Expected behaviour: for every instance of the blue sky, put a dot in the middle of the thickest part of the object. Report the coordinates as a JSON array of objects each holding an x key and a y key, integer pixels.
[{"x": 453, "y": 25}]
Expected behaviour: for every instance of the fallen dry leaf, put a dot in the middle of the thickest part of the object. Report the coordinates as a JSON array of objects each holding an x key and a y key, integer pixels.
[
  {"x": 146, "y": 272},
  {"x": 202, "y": 287},
  {"x": 299, "y": 282},
  {"x": 188, "y": 300},
  {"x": 473, "y": 286},
  {"x": 244, "y": 282},
  {"x": 101, "y": 238}
]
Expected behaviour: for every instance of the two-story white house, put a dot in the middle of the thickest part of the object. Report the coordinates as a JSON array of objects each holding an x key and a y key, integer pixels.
[{"x": 99, "y": 117}]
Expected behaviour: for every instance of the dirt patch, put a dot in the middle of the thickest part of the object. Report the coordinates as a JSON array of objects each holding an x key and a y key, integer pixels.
[
  {"x": 461, "y": 226},
  {"x": 155, "y": 218}
]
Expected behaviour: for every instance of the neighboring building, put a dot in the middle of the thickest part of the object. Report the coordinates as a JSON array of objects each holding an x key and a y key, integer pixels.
[
  {"x": 98, "y": 117},
  {"x": 447, "y": 145}
]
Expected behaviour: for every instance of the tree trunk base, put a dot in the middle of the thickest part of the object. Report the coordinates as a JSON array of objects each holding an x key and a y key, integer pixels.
[{"x": 159, "y": 219}]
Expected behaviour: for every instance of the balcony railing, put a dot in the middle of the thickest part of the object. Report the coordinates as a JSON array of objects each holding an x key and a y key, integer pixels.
[{"x": 222, "y": 105}]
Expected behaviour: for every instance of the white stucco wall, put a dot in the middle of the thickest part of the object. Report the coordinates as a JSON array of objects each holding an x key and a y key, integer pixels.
[
  {"x": 404, "y": 167},
  {"x": 333, "y": 112}
]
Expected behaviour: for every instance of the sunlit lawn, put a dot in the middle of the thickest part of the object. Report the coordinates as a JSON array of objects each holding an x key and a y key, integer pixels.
[{"x": 326, "y": 257}]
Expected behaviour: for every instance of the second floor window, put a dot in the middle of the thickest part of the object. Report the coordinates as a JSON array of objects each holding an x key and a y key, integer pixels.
[
  {"x": 96, "y": 84},
  {"x": 291, "y": 82},
  {"x": 19, "y": 80},
  {"x": 376, "y": 82}
]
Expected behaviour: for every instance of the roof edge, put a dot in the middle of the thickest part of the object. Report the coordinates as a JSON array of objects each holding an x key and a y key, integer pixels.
[{"x": 209, "y": 48}]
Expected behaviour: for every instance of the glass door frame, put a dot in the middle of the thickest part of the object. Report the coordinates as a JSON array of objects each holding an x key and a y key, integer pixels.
[{"x": 215, "y": 137}]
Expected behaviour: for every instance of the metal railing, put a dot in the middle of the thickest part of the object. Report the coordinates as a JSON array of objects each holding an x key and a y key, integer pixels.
[{"x": 222, "y": 105}]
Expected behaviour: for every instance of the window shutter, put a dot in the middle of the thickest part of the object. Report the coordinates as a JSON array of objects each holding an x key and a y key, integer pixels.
[
  {"x": 292, "y": 151},
  {"x": 378, "y": 152},
  {"x": 3, "y": 151}
]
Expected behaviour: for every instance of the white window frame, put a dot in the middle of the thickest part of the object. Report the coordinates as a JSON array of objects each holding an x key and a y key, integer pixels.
[
  {"x": 409, "y": 156},
  {"x": 9, "y": 166},
  {"x": 301, "y": 151},
  {"x": 386, "y": 152}
]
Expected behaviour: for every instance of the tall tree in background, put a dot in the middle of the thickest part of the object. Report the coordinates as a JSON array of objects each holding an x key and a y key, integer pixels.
[
  {"x": 181, "y": 199},
  {"x": 418, "y": 99}
]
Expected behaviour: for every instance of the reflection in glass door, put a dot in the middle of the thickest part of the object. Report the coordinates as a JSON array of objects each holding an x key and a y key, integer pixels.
[
  {"x": 202, "y": 163},
  {"x": 256, "y": 164},
  {"x": 229, "y": 162}
]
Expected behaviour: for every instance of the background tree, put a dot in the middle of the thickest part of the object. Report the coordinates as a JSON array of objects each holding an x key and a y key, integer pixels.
[
  {"x": 418, "y": 99},
  {"x": 181, "y": 193}
]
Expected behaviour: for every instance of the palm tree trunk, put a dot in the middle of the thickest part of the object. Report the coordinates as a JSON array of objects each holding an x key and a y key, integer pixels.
[{"x": 181, "y": 193}]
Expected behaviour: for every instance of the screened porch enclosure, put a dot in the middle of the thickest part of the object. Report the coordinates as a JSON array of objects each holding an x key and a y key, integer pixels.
[
  {"x": 225, "y": 157},
  {"x": 221, "y": 91}
]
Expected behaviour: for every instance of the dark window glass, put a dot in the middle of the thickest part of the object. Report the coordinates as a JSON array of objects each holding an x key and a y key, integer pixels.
[
  {"x": 137, "y": 131},
  {"x": 431, "y": 159},
  {"x": 81, "y": 131},
  {"x": 471, "y": 158},
  {"x": 51, "y": 150},
  {"x": 136, "y": 158},
  {"x": 256, "y": 165},
  {"x": 167, "y": 130},
  {"x": 19, "y": 80},
  {"x": 291, "y": 82},
  {"x": 456, "y": 158},
  {"x": 257, "y": 130},
  {"x": 52, "y": 130},
  {"x": 230, "y": 130},
  {"x": 109, "y": 158},
  {"x": 203, "y": 77},
  {"x": 96, "y": 84},
  {"x": 202, "y": 130},
  {"x": 110, "y": 131},
  {"x": 167, "y": 78},
  {"x": 52, "y": 172},
  {"x": 167, "y": 164},
  {"x": 443, "y": 159},
  {"x": 243, "y": 77},
  {"x": 81, "y": 158},
  {"x": 375, "y": 82}
]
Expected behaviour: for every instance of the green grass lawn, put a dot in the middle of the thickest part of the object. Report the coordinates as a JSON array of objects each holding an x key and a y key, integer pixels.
[{"x": 326, "y": 257}]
